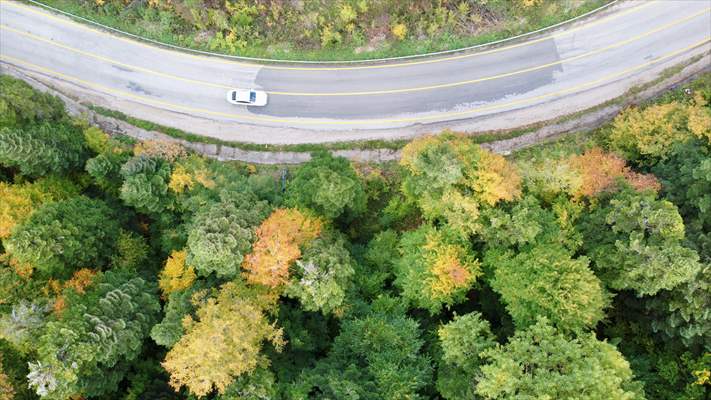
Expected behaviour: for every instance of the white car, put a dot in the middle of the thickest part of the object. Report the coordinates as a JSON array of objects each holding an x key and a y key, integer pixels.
[{"x": 247, "y": 97}]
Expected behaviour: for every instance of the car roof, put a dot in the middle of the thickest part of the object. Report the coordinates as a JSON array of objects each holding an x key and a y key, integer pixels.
[{"x": 243, "y": 95}]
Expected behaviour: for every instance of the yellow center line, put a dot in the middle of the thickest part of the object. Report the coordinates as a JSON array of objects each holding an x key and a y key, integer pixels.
[
  {"x": 111, "y": 61},
  {"x": 373, "y": 92},
  {"x": 69, "y": 22},
  {"x": 305, "y": 122}
]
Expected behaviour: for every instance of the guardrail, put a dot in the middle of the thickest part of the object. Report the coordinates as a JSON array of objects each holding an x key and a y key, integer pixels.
[{"x": 282, "y": 61}]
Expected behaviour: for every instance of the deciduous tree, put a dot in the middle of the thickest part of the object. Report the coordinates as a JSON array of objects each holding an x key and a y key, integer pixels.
[
  {"x": 462, "y": 340},
  {"x": 322, "y": 275},
  {"x": 636, "y": 243},
  {"x": 279, "y": 239},
  {"x": 434, "y": 270},
  {"x": 540, "y": 362},
  {"x": 450, "y": 177},
  {"x": 224, "y": 343},
  {"x": 547, "y": 281},
  {"x": 176, "y": 276},
  {"x": 20, "y": 200}
]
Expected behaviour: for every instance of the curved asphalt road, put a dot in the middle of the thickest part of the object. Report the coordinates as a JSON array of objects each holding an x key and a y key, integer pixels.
[{"x": 625, "y": 41}]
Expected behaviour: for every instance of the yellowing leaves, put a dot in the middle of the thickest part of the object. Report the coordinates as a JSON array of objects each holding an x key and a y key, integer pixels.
[
  {"x": 165, "y": 149},
  {"x": 599, "y": 171},
  {"x": 497, "y": 179},
  {"x": 20, "y": 200},
  {"x": 277, "y": 247},
  {"x": 223, "y": 344},
  {"x": 450, "y": 267},
  {"x": 176, "y": 275},
  {"x": 654, "y": 130},
  {"x": 450, "y": 176}
]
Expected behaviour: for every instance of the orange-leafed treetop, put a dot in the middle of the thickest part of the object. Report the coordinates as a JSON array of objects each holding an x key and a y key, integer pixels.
[
  {"x": 278, "y": 243},
  {"x": 600, "y": 171}
]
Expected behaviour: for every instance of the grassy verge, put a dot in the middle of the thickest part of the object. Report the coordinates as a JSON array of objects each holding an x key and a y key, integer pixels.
[
  {"x": 485, "y": 137},
  {"x": 168, "y": 28}
]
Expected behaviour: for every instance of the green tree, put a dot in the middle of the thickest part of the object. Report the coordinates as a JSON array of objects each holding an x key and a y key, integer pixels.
[
  {"x": 222, "y": 233},
  {"x": 38, "y": 150},
  {"x": 686, "y": 182},
  {"x": 636, "y": 243},
  {"x": 106, "y": 170},
  {"x": 323, "y": 274},
  {"x": 376, "y": 269},
  {"x": 178, "y": 306},
  {"x": 86, "y": 350},
  {"x": 434, "y": 269},
  {"x": 328, "y": 185},
  {"x": 145, "y": 184},
  {"x": 462, "y": 340},
  {"x": 66, "y": 235},
  {"x": 260, "y": 384},
  {"x": 375, "y": 356},
  {"x": 547, "y": 281},
  {"x": 21, "y": 325},
  {"x": 682, "y": 314},
  {"x": 542, "y": 363},
  {"x": 21, "y": 105},
  {"x": 451, "y": 178}
]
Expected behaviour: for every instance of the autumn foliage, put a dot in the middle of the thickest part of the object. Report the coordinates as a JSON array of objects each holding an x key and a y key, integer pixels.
[
  {"x": 600, "y": 171},
  {"x": 176, "y": 275},
  {"x": 278, "y": 243},
  {"x": 223, "y": 344}
]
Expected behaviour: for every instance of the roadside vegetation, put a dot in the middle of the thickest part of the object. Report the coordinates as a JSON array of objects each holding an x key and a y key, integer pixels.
[
  {"x": 138, "y": 270},
  {"x": 326, "y": 29}
]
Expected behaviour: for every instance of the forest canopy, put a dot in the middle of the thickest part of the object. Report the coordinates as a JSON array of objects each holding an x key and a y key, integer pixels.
[{"x": 140, "y": 270}]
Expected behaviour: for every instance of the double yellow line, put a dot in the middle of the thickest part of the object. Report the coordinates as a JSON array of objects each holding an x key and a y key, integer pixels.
[
  {"x": 566, "y": 32},
  {"x": 296, "y": 121},
  {"x": 371, "y": 92}
]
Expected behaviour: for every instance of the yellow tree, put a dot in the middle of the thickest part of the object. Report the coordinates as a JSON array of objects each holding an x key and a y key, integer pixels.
[
  {"x": 279, "y": 239},
  {"x": 176, "y": 275},
  {"x": 653, "y": 131},
  {"x": 223, "y": 344},
  {"x": 20, "y": 200}
]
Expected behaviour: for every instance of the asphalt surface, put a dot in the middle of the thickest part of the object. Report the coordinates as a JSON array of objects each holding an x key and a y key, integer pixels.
[{"x": 617, "y": 45}]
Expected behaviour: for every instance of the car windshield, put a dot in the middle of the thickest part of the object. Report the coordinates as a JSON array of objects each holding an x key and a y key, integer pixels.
[
  {"x": 252, "y": 96},
  {"x": 234, "y": 95}
]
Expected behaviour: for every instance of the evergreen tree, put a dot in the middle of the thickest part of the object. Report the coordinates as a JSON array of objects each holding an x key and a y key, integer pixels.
[
  {"x": 328, "y": 185},
  {"x": 375, "y": 356},
  {"x": 85, "y": 352},
  {"x": 66, "y": 235},
  {"x": 222, "y": 233},
  {"x": 145, "y": 184},
  {"x": 39, "y": 150}
]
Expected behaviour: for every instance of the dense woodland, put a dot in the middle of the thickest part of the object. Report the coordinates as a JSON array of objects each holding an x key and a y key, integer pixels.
[{"x": 579, "y": 269}]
